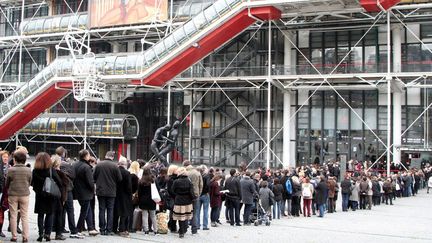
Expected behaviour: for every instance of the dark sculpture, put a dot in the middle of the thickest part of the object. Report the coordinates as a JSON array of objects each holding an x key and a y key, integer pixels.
[
  {"x": 158, "y": 140},
  {"x": 162, "y": 145}
]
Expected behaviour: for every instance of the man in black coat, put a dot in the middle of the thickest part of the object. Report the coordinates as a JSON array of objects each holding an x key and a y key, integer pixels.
[
  {"x": 123, "y": 201},
  {"x": 232, "y": 184},
  {"x": 84, "y": 191},
  {"x": 320, "y": 195},
  {"x": 106, "y": 176},
  {"x": 346, "y": 191}
]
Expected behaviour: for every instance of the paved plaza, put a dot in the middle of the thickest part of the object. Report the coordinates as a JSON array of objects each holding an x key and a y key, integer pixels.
[{"x": 408, "y": 220}]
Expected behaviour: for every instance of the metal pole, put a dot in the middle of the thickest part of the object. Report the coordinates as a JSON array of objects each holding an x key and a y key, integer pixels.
[
  {"x": 169, "y": 114},
  {"x": 388, "y": 92},
  {"x": 190, "y": 127},
  {"x": 171, "y": 16},
  {"x": 269, "y": 96},
  {"x": 21, "y": 43},
  {"x": 85, "y": 124}
]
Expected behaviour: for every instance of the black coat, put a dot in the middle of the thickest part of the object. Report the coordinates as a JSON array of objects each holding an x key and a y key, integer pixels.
[
  {"x": 44, "y": 203},
  {"x": 106, "y": 176},
  {"x": 346, "y": 186},
  {"x": 2, "y": 176},
  {"x": 83, "y": 183},
  {"x": 123, "y": 202},
  {"x": 145, "y": 199},
  {"x": 321, "y": 192},
  {"x": 183, "y": 190},
  {"x": 233, "y": 185},
  {"x": 277, "y": 191},
  {"x": 248, "y": 190}
]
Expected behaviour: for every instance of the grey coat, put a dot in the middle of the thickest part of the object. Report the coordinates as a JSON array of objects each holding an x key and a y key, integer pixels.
[
  {"x": 355, "y": 192},
  {"x": 247, "y": 190},
  {"x": 266, "y": 195}
]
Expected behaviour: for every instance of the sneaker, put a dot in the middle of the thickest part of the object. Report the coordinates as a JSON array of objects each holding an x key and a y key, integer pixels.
[
  {"x": 60, "y": 237},
  {"x": 65, "y": 231},
  {"x": 124, "y": 234},
  {"x": 93, "y": 232},
  {"x": 77, "y": 236},
  {"x": 206, "y": 229},
  {"x": 213, "y": 224}
]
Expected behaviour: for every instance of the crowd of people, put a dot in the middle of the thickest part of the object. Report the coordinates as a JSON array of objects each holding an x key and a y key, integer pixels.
[{"x": 148, "y": 197}]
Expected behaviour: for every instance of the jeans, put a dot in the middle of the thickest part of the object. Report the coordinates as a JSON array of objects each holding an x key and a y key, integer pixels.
[
  {"x": 214, "y": 214},
  {"x": 145, "y": 221},
  {"x": 363, "y": 199},
  {"x": 204, "y": 202},
  {"x": 85, "y": 214},
  {"x": 69, "y": 209},
  {"x": 247, "y": 213},
  {"x": 195, "y": 216},
  {"x": 321, "y": 210},
  {"x": 345, "y": 198},
  {"x": 45, "y": 222},
  {"x": 21, "y": 202},
  {"x": 234, "y": 211},
  {"x": 387, "y": 197},
  {"x": 354, "y": 205},
  {"x": 307, "y": 204},
  {"x": 106, "y": 204},
  {"x": 277, "y": 209},
  {"x": 57, "y": 218}
]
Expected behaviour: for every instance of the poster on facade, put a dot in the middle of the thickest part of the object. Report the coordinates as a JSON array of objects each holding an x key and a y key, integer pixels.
[{"x": 104, "y": 13}]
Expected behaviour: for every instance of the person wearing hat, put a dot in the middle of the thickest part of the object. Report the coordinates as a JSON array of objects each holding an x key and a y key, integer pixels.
[{"x": 184, "y": 195}]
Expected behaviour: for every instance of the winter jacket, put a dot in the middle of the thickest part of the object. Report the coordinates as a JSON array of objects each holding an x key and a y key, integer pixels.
[
  {"x": 106, "y": 176},
  {"x": 18, "y": 180},
  {"x": 266, "y": 197},
  {"x": 320, "y": 193},
  {"x": 44, "y": 203},
  {"x": 83, "y": 183},
  {"x": 196, "y": 179},
  {"x": 232, "y": 184},
  {"x": 215, "y": 195},
  {"x": 248, "y": 190},
  {"x": 278, "y": 191},
  {"x": 346, "y": 186},
  {"x": 123, "y": 201},
  {"x": 183, "y": 190},
  {"x": 145, "y": 199}
]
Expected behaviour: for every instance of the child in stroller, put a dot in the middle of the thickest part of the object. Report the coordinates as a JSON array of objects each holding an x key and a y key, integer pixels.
[{"x": 259, "y": 216}]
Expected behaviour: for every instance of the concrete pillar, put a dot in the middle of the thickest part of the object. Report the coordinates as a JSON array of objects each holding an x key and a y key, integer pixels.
[
  {"x": 115, "y": 47},
  {"x": 131, "y": 46},
  {"x": 397, "y": 95},
  {"x": 288, "y": 68},
  {"x": 288, "y": 133}
]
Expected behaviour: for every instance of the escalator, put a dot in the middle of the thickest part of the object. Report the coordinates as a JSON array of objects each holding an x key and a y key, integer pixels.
[{"x": 154, "y": 67}]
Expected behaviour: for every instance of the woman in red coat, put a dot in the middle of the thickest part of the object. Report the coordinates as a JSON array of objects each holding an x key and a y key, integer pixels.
[{"x": 215, "y": 199}]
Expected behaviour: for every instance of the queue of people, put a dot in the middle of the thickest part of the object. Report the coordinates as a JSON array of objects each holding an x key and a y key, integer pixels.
[{"x": 141, "y": 197}]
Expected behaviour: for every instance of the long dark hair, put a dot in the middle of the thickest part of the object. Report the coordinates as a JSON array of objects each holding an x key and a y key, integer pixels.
[{"x": 147, "y": 178}]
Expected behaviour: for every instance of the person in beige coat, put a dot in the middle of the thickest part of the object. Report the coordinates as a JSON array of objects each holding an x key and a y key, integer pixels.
[{"x": 197, "y": 183}]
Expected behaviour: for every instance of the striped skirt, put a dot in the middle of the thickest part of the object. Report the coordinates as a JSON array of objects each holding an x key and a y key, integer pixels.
[{"x": 182, "y": 212}]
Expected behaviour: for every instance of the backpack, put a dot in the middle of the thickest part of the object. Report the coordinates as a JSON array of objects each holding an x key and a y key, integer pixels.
[
  {"x": 288, "y": 186},
  {"x": 306, "y": 193}
]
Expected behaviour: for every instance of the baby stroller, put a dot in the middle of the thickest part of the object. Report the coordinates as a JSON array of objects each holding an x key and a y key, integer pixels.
[{"x": 259, "y": 215}]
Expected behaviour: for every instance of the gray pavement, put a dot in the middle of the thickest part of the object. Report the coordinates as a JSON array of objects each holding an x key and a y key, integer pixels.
[{"x": 408, "y": 220}]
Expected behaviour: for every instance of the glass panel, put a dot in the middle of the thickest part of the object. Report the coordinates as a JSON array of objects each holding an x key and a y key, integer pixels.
[
  {"x": 200, "y": 21},
  {"x": 40, "y": 26},
  {"x": 117, "y": 127},
  {"x": 160, "y": 50},
  {"x": 140, "y": 64},
  {"x": 221, "y": 6},
  {"x": 64, "y": 23},
  {"x": 52, "y": 128},
  {"x": 35, "y": 125},
  {"x": 61, "y": 125},
  {"x": 55, "y": 26},
  {"x": 120, "y": 65},
  {"x": 31, "y": 26},
  {"x": 74, "y": 21},
  {"x": 79, "y": 126},
  {"x": 131, "y": 64},
  {"x": 106, "y": 127},
  {"x": 97, "y": 126},
  {"x": 210, "y": 13},
  {"x": 43, "y": 125},
  {"x": 179, "y": 35},
  {"x": 150, "y": 56},
  {"x": 356, "y": 122},
  {"x": 47, "y": 25},
  {"x": 100, "y": 64},
  {"x": 70, "y": 127},
  {"x": 371, "y": 118},
  {"x": 82, "y": 21},
  {"x": 170, "y": 43},
  {"x": 109, "y": 65},
  {"x": 189, "y": 28}
]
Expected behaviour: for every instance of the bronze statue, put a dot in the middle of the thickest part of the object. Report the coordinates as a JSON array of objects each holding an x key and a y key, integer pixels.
[
  {"x": 169, "y": 144},
  {"x": 159, "y": 140}
]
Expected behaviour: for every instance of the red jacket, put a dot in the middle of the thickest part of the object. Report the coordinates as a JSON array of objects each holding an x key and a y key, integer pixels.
[{"x": 215, "y": 195}]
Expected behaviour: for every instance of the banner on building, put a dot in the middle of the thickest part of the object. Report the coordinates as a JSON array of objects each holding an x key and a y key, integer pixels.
[{"x": 104, "y": 13}]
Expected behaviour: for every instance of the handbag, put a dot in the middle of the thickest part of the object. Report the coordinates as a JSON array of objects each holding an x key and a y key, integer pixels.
[
  {"x": 155, "y": 193},
  {"x": 50, "y": 187}
]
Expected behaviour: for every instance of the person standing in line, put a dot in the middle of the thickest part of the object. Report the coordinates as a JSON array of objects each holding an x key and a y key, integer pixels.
[
  {"x": 146, "y": 203},
  {"x": 184, "y": 195},
  {"x": 44, "y": 204},
  {"x": 204, "y": 199},
  {"x": 123, "y": 203},
  {"x": 84, "y": 191},
  {"x": 364, "y": 188},
  {"x": 248, "y": 191},
  {"x": 232, "y": 201},
  {"x": 197, "y": 183},
  {"x": 266, "y": 197},
  {"x": 106, "y": 176},
  {"x": 172, "y": 176},
  {"x": 346, "y": 191},
  {"x": 58, "y": 220},
  {"x": 4, "y": 167},
  {"x": 307, "y": 193},
  {"x": 277, "y": 191},
  {"x": 320, "y": 195},
  {"x": 387, "y": 187},
  {"x": 215, "y": 199},
  {"x": 331, "y": 184},
  {"x": 18, "y": 182}
]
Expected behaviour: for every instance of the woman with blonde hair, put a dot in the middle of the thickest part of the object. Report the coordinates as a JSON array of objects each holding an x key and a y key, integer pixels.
[{"x": 172, "y": 176}]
